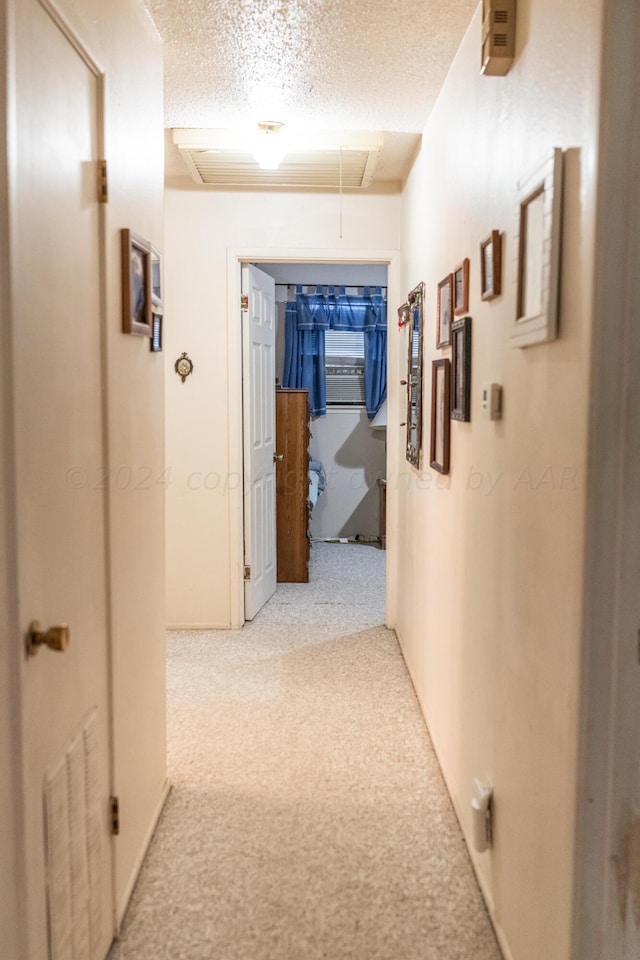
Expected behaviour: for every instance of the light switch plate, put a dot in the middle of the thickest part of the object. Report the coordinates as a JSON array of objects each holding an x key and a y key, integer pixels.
[{"x": 492, "y": 401}]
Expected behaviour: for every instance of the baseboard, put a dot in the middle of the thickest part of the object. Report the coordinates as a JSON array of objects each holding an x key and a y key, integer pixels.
[
  {"x": 137, "y": 866},
  {"x": 198, "y": 626}
]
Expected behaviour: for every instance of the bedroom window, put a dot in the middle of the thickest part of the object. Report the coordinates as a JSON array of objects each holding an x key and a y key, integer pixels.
[
  {"x": 344, "y": 364},
  {"x": 336, "y": 348}
]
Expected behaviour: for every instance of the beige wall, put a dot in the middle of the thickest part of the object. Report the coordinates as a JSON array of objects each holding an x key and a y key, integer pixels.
[
  {"x": 121, "y": 38},
  {"x": 353, "y": 457},
  {"x": 133, "y": 58},
  {"x": 490, "y": 575},
  {"x": 202, "y": 226}
]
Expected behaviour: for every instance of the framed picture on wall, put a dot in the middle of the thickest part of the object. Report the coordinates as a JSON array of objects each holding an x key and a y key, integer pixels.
[
  {"x": 157, "y": 305},
  {"x": 156, "y": 276},
  {"x": 445, "y": 308},
  {"x": 491, "y": 266},
  {"x": 155, "y": 344},
  {"x": 539, "y": 233},
  {"x": 404, "y": 314},
  {"x": 461, "y": 369},
  {"x": 461, "y": 288},
  {"x": 440, "y": 414},
  {"x": 136, "y": 284}
]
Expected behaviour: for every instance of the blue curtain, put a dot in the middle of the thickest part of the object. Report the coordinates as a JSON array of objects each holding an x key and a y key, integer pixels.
[
  {"x": 304, "y": 358},
  {"x": 306, "y": 321},
  {"x": 375, "y": 353}
]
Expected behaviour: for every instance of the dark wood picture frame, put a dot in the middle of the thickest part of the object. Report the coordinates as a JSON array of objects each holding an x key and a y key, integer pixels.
[
  {"x": 445, "y": 311},
  {"x": 491, "y": 266},
  {"x": 136, "y": 284},
  {"x": 461, "y": 288},
  {"x": 461, "y": 369},
  {"x": 440, "y": 415}
]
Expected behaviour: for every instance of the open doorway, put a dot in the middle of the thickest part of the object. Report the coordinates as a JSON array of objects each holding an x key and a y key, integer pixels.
[
  {"x": 343, "y": 497},
  {"x": 344, "y": 440}
]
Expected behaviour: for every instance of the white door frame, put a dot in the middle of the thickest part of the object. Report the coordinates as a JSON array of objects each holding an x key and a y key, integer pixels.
[
  {"x": 609, "y": 752},
  {"x": 235, "y": 257}
]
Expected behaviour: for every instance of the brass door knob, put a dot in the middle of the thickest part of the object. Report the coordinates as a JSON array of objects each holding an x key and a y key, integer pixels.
[
  {"x": 278, "y": 457},
  {"x": 56, "y": 638}
]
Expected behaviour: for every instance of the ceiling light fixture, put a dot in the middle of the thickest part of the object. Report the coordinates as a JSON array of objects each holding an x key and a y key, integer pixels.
[
  {"x": 268, "y": 148},
  {"x": 314, "y": 158}
]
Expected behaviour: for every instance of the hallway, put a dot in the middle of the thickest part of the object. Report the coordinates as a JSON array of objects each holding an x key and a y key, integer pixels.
[{"x": 308, "y": 818}]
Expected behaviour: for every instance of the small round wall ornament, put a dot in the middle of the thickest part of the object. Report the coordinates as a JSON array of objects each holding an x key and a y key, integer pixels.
[{"x": 183, "y": 366}]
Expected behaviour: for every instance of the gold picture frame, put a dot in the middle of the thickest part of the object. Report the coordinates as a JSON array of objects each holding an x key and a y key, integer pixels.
[
  {"x": 461, "y": 288},
  {"x": 491, "y": 266},
  {"x": 445, "y": 311}
]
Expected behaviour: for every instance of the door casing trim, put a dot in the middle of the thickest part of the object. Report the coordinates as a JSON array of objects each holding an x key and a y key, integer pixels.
[{"x": 236, "y": 256}]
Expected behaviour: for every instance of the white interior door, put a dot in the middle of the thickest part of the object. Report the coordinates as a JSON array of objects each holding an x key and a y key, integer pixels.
[
  {"x": 258, "y": 346},
  {"x": 60, "y": 501}
]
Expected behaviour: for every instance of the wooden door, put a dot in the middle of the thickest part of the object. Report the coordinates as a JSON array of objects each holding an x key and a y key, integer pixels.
[{"x": 61, "y": 562}]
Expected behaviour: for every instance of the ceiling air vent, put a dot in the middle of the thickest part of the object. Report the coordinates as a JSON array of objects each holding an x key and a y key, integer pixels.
[{"x": 320, "y": 160}]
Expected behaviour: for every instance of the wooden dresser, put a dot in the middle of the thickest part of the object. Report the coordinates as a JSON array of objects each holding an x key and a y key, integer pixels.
[{"x": 292, "y": 485}]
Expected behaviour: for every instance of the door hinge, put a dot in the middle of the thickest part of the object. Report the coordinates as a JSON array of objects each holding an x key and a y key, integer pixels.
[
  {"x": 244, "y": 302},
  {"x": 247, "y": 573},
  {"x": 103, "y": 187},
  {"x": 114, "y": 804}
]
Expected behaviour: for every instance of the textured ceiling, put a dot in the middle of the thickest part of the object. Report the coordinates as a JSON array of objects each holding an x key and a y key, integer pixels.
[{"x": 331, "y": 64}]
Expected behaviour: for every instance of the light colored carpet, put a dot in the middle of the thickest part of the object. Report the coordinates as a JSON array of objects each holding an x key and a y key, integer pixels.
[{"x": 308, "y": 818}]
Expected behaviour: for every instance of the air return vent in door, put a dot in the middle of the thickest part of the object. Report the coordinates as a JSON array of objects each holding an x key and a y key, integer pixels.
[
  {"x": 74, "y": 848},
  {"x": 324, "y": 159}
]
